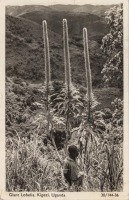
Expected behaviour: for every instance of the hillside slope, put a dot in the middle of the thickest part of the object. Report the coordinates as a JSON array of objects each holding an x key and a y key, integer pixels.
[
  {"x": 18, "y": 10},
  {"x": 76, "y": 22},
  {"x": 25, "y": 54}
]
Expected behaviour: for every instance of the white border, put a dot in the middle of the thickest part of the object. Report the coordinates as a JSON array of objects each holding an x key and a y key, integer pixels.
[{"x": 75, "y": 196}]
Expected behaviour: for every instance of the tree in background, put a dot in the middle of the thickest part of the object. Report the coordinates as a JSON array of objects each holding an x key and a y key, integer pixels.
[{"x": 112, "y": 45}]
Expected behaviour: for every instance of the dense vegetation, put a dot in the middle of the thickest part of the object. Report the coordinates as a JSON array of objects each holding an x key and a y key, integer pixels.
[
  {"x": 113, "y": 48},
  {"x": 44, "y": 116}
]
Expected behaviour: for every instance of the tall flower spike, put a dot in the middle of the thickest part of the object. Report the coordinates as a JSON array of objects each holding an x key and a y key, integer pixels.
[
  {"x": 46, "y": 54},
  {"x": 87, "y": 68},
  {"x": 66, "y": 54}
]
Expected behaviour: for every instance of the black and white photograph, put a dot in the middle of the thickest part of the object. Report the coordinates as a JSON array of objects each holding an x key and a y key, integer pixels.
[{"x": 64, "y": 98}]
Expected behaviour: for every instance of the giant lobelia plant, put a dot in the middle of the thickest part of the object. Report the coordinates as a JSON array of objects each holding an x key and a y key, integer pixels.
[
  {"x": 67, "y": 71},
  {"x": 85, "y": 127},
  {"x": 87, "y": 137},
  {"x": 47, "y": 72},
  {"x": 52, "y": 120},
  {"x": 68, "y": 103},
  {"x": 101, "y": 137},
  {"x": 88, "y": 72}
]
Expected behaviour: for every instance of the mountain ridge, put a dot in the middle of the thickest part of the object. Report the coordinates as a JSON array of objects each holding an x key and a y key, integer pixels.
[{"x": 98, "y": 10}]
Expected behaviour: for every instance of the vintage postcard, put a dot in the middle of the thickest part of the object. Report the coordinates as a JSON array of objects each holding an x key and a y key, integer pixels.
[{"x": 64, "y": 95}]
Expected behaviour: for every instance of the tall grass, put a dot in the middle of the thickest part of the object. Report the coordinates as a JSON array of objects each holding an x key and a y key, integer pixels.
[{"x": 30, "y": 166}]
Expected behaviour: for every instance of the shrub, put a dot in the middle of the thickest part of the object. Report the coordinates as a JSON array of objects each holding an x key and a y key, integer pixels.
[{"x": 28, "y": 40}]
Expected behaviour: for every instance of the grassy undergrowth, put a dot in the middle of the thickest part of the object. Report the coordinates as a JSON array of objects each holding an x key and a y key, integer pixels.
[{"x": 32, "y": 163}]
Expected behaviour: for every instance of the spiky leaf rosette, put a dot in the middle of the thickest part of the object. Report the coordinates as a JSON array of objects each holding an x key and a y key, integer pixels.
[{"x": 61, "y": 101}]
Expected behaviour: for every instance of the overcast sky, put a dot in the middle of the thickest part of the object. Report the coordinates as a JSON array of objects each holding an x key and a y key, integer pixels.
[
  {"x": 66, "y": 2},
  {"x": 81, "y": 2}
]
